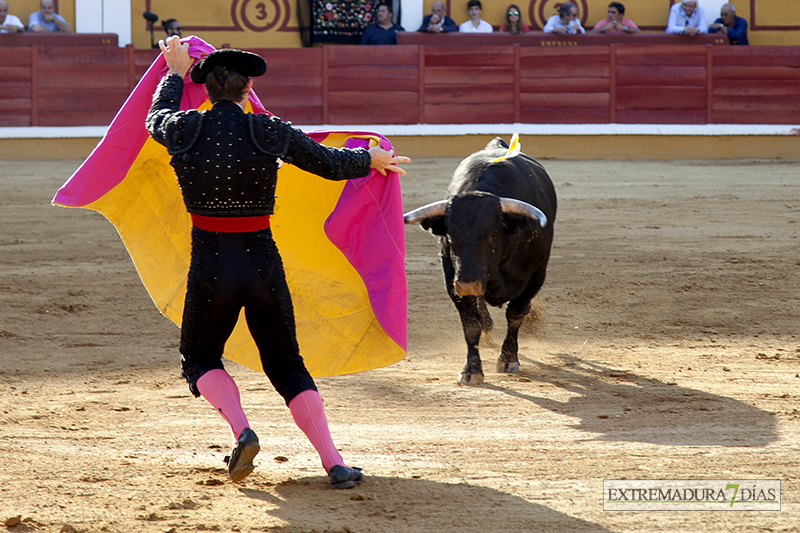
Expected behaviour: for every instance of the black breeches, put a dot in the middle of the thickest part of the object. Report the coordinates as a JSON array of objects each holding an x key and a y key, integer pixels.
[{"x": 228, "y": 272}]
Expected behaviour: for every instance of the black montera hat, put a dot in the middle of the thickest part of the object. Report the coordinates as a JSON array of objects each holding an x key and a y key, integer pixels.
[{"x": 245, "y": 63}]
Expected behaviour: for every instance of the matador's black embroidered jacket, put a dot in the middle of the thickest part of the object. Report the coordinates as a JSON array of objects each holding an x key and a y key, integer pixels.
[{"x": 226, "y": 160}]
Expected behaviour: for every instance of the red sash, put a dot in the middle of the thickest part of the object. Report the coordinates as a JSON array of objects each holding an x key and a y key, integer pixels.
[{"x": 230, "y": 224}]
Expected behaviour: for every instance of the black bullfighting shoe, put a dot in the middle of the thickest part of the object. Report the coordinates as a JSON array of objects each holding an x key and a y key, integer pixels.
[
  {"x": 240, "y": 461},
  {"x": 344, "y": 477}
]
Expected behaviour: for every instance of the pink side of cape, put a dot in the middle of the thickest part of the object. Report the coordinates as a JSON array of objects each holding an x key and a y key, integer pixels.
[
  {"x": 109, "y": 162},
  {"x": 367, "y": 226}
]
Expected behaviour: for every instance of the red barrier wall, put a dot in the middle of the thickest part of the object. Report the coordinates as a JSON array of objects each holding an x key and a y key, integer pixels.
[{"x": 409, "y": 84}]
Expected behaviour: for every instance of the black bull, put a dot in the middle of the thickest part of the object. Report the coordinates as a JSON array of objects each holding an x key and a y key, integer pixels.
[{"x": 495, "y": 230}]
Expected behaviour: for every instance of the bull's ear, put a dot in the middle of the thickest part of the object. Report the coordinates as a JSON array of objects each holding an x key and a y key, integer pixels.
[
  {"x": 436, "y": 225},
  {"x": 496, "y": 143}
]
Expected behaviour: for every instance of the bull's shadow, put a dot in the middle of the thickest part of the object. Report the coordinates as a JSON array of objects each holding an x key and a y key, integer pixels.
[
  {"x": 410, "y": 505},
  {"x": 623, "y": 406}
]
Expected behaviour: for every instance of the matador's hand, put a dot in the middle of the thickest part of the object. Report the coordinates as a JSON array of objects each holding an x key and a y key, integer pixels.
[
  {"x": 176, "y": 54},
  {"x": 382, "y": 160}
]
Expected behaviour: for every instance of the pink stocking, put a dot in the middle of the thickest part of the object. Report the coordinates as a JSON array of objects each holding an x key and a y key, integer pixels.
[
  {"x": 309, "y": 415},
  {"x": 218, "y": 387}
]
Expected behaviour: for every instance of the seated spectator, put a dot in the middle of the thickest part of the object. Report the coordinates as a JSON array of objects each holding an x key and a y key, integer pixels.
[
  {"x": 437, "y": 21},
  {"x": 731, "y": 25},
  {"x": 475, "y": 24},
  {"x": 9, "y": 23},
  {"x": 514, "y": 21},
  {"x": 47, "y": 20},
  {"x": 566, "y": 21},
  {"x": 616, "y": 22},
  {"x": 172, "y": 27},
  {"x": 686, "y": 18},
  {"x": 384, "y": 31}
]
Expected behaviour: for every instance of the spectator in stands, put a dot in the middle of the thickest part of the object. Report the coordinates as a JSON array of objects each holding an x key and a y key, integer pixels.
[
  {"x": 687, "y": 18},
  {"x": 565, "y": 21},
  {"x": 9, "y": 23},
  {"x": 47, "y": 20},
  {"x": 616, "y": 21},
  {"x": 437, "y": 21},
  {"x": 172, "y": 27},
  {"x": 731, "y": 25},
  {"x": 384, "y": 31},
  {"x": 475, "y": 24},
  {"x": 514, "y": 21}
]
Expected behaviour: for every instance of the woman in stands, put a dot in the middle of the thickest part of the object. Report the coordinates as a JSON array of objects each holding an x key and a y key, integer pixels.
[{"x": 514, "y": 21}]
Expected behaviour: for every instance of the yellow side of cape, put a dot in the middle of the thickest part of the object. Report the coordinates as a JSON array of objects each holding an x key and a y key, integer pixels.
[{"x": 336, "y": 328}]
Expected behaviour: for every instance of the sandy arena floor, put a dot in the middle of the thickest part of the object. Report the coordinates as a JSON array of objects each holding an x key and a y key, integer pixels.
[{"x": 665, "y": 346}]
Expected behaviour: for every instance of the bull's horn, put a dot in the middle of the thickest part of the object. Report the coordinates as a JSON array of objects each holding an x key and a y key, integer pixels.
[
  {"x": 426, "y": 211},
  {"x": 518, "y": 207}
]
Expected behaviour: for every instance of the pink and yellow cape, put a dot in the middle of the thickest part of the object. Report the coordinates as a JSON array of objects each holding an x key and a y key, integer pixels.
[{"x": 342, "y": 242}]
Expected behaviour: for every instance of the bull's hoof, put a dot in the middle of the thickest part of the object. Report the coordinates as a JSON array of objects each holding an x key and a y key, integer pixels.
[
  {"x": 507, "y": 367},
  {"x": 471, "y": 379}
]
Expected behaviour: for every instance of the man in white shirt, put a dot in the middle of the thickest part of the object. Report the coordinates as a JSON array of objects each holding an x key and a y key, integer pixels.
[
  {"x": 566, "y": 21},
  {"x": 687, "y": 18},
  {"x": 9, "y": 23},
  {"x": 475, "y": 24}
]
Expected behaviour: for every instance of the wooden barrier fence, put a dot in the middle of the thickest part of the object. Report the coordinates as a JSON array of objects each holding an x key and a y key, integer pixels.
[{"x": 427, "y": 84}]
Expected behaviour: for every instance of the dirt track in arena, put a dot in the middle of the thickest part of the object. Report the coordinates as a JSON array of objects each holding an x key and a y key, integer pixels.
[{"x": 665, "y": 346}]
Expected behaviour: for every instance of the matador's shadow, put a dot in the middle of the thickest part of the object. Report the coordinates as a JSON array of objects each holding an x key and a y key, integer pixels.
[
  {"x": 616, "y": 405},
  {"x": 411, "y": 505}
]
